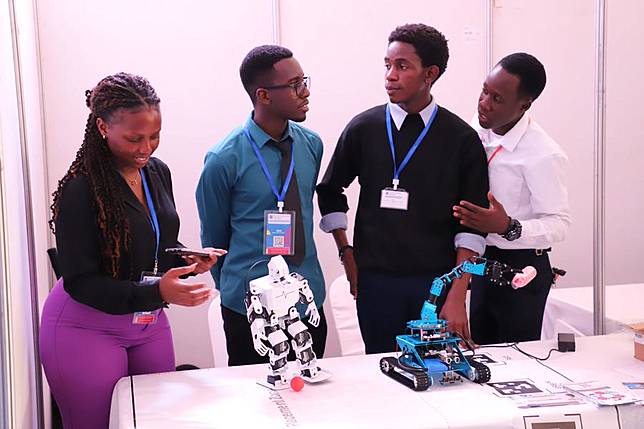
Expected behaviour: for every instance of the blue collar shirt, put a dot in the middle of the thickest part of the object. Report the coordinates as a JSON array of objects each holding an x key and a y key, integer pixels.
[{"x": 233, "y": 194}]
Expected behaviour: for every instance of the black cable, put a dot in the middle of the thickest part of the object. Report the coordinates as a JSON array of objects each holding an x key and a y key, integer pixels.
[
  {"x": 408, "y": 367},
  {"x": 554, "y": 370},
  {"x": 540, "y": 360},
  {"x": 494, "y": 346},
  {"x": 516, "y": 347},
  {"x": 246, "y": 285}
]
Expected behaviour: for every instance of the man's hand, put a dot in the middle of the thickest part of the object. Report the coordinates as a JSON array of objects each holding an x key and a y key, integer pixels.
[
  {"x": 349, "y": 262},
  {"x": 454, "y": 312},
  {"x": 494, "y": 219},
  {"x": 351, "y": 270}
]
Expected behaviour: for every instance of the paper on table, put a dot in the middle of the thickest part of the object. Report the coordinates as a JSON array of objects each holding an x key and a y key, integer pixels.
[
  {"x": 545, "y": 399},
  {"x": 599, "y": 393}
]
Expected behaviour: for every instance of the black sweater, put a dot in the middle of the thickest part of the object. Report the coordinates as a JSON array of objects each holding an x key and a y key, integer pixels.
[
  {"x": 78, "y": 238},
  {"x": 449, "y": 165}
]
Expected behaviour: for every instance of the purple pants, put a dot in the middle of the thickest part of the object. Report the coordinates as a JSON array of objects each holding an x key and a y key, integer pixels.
[{"x": 85, "y": 351}]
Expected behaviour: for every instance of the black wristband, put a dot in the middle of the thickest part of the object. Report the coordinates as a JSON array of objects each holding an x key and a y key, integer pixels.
[{"x": 343, "y": 249}]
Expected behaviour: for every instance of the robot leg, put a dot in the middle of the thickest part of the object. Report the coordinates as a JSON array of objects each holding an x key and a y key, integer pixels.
[
  {"x": 302, "y": 343},
  {"x": 277, "y": 355}
]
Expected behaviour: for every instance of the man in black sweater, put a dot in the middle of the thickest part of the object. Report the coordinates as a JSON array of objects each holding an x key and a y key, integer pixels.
[{"x": 414, "y": 160}]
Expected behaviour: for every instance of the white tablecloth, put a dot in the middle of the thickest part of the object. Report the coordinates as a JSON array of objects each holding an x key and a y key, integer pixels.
[
  {"x": 360, "y": 396},
  {"x": 571, "y": 309}
]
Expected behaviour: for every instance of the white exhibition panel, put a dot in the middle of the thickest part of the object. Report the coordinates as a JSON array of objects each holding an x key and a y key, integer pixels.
[
  {"x": 571, "y": 309},
  {"x": 358, "y": 395}
]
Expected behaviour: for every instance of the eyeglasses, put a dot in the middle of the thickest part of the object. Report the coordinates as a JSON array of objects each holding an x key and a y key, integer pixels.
[{"x": 297, "y": 86}]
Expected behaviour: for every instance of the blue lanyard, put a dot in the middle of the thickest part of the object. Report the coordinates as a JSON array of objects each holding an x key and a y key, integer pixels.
[
  {"x": 153, "y": 219},
  {"x": 403, "y": 164},
  {"x": 287, "y": 181}
]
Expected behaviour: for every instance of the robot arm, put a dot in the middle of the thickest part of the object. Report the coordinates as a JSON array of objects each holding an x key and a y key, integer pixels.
[
  {"x": 497, "y": 272},
  {"x": 257, "y": 316},
  {"x": 502, "y": 274},
  {"x": 306, "y": 297}
]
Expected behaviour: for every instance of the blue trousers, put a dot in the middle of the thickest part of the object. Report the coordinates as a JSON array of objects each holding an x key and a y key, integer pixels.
[{"x": 386, "y": 303}]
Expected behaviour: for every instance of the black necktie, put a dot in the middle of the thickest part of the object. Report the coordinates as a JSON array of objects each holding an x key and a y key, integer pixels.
[
  {"x": 404, "y": 138},
  {"x": 292, "y": 200},
  {"x": 413, "y": 123}
]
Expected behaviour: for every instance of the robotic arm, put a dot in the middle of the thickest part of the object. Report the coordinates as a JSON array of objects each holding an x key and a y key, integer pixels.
[{"x": 497, "y": 272}]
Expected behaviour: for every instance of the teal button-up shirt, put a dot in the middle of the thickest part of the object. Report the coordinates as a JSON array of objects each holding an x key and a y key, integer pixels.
[{"x": 233, "y": 194}]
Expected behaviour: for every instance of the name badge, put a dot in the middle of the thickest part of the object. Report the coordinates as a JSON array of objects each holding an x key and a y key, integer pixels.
[
  {"x": 396, "y": 199},
  {"x": 147, "y": 317},
  {"x": 279, "y": 232}
]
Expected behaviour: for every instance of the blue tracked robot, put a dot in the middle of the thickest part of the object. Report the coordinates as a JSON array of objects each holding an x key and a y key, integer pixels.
[{"x": 429, "y": 353}]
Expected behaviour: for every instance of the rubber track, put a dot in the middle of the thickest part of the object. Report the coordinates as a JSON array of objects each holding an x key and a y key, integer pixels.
[{"x": 415, "y": 380}]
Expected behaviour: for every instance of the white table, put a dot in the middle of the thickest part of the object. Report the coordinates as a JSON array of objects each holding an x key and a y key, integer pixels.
[
  {"x": 359, "y": 396},
  {"x": 571, "y": 309},
  {"x": 608, "y": 359}
]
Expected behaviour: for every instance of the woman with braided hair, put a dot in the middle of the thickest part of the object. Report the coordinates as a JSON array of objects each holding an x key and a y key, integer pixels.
[{"x": 113, "y": 214}]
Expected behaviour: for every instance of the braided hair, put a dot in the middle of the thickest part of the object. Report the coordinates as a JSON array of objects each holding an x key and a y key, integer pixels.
[{"x": 94, "y": 160}]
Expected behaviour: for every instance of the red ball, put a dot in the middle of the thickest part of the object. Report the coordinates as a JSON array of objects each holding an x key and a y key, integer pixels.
[{"x": 297, "y": 383}]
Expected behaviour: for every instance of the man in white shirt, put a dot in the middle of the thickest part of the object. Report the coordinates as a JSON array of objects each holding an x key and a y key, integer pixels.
[{"x": 528, "y": 198}]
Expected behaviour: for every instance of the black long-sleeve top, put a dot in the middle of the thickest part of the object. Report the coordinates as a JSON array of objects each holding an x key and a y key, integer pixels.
[
  {"x": 449, "y": 165},
  {"x": 78, "y": 238}
]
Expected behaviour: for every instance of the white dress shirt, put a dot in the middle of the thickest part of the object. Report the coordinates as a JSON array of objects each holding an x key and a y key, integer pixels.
[{"x": 527, "y": 176}]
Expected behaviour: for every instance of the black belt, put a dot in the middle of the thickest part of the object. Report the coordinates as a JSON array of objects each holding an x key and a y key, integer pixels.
[{"x": 537, "y": 252}]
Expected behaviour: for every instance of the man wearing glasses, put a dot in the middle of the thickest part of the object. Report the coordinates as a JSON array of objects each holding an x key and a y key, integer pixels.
[
  {"x": 414, "y": 159},
  {"x": 255, "y": 185}
]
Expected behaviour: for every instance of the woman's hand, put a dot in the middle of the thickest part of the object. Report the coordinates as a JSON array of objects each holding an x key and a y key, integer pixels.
[
  {"x": 177, "y": 291},
  {"x": 204, "y": 264}
]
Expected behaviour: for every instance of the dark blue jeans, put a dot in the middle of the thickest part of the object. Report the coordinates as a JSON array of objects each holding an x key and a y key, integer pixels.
[{"x": 386, "y": 303}]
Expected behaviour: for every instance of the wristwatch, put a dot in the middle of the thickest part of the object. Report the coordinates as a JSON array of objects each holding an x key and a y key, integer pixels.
[
  {"x": 342, "y": 250},
  {"x": 514, "y": 230}
]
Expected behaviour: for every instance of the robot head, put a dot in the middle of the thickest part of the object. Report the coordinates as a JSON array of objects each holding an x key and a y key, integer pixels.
[{"x": 277, "y": 269}]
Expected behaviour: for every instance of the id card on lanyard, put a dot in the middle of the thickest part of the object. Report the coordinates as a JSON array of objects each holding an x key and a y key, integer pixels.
[
  {"x": 149, "y": 317},
  {"x": 279, "y": 225},
  {"x": 395, "y": 197}
]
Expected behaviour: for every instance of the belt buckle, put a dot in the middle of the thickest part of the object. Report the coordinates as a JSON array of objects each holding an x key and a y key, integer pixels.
[{"x": 538, "y": 252}]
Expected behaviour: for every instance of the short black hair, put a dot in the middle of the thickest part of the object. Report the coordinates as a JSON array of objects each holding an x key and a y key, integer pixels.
[
  {"x": 430, "y": 44},
  {"x": 529, "y": 70},
  {"x": 258, "y": 64}
]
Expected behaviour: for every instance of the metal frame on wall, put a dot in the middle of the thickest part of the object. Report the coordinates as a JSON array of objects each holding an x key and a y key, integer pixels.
[
  {"x": 488, "y": 37},
  {"x": 25, "y": 180},
  {"x": 275, "y": 18},
  {"x": 599, "y": 176},
  {"x": 5, "y": 357}
]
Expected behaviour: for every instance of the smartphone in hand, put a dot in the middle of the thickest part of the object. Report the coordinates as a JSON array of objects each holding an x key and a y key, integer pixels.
[{"x": 183, "y": 251}]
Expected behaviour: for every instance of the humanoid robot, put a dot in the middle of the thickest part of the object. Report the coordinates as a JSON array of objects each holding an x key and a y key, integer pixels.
[
  {"x": 271, "y": 310},
  {"x": 430, "y": 352}
]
